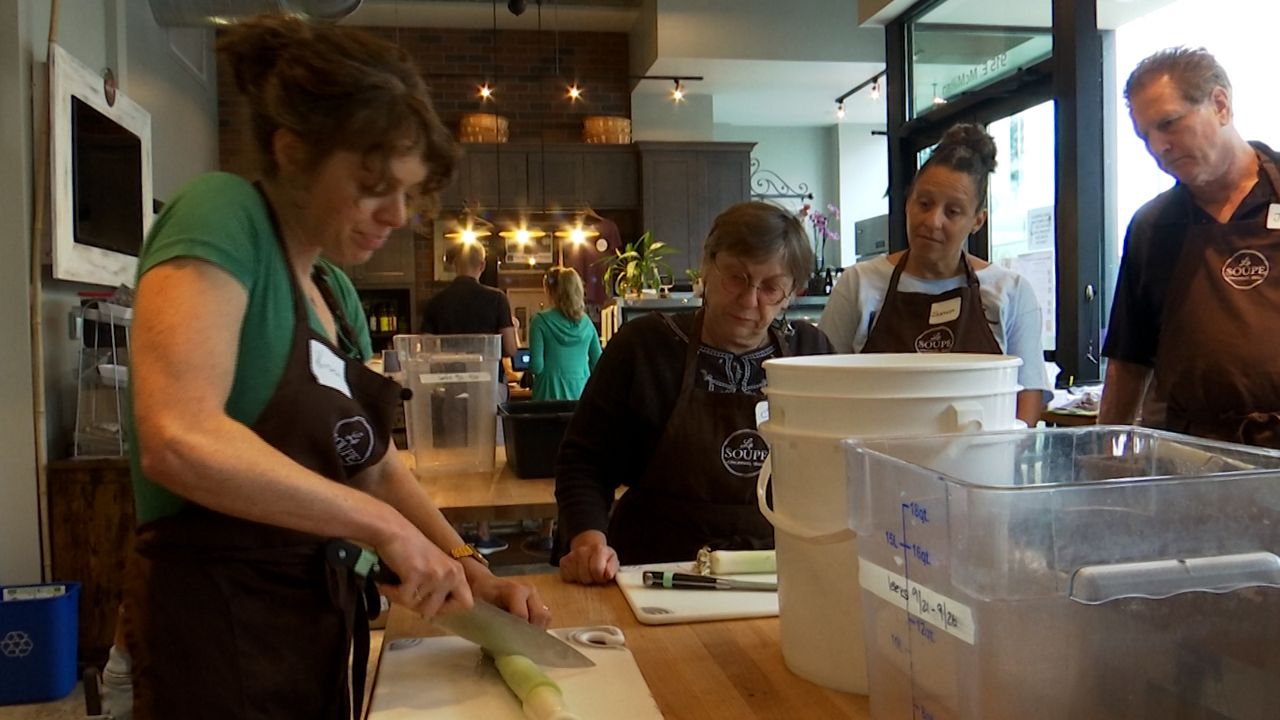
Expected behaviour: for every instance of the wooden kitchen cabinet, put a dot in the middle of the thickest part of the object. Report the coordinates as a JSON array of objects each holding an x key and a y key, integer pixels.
[
  {"x": 390, "y": 265},
  {"x": 685, "y": 186},
  {"x": 553, "y": 176},
  {"x": 91, "y": 527},
  {"x": 497, "y": 176},
  {"x": 610, "y": 177}
]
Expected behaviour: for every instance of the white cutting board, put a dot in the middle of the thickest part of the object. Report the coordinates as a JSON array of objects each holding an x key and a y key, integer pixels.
[
  {"x": 667, "y": 606},
  {"x": 442, "y": 678}
]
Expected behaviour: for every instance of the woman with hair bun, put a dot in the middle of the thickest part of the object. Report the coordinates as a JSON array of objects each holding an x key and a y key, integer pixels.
[
  {"x": 260, "y": 440},
  {"x": 563, "y": 344},
  {"x": 934, "y": 296}
]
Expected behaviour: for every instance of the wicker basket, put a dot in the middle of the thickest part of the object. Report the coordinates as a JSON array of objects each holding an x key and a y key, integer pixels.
[
  {"x": 483, "y": 128},
  {"x": 606, "y": 129}
]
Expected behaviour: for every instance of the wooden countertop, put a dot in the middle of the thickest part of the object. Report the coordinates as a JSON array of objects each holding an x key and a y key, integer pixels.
[
  {"x": 726, "y": 669},
  {"x": 462, "y": 497},
  {"x": 494, "y": 495}
]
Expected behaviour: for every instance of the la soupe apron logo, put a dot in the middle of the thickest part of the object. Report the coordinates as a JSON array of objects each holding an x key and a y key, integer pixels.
[
  {"x": 353, "y": 439},
  {"x": 935, "y": 340},
  {"x": 1246, "y": 269},
  {"x": 744, "y": 452}
]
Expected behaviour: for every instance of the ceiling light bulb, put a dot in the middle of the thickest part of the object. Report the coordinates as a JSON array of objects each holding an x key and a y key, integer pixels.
[
  {"x": 678, "y": 93},
  {"x": 522, "y": 236},
  {"x": 875, "y": 90},
  {"x": 468, "y": 236},
  {"x": 575, "y": 92},
  {"x": 486, "y": 92},
  {"x": 577, "y": 236},
  {"x": 840, "y": 111}
]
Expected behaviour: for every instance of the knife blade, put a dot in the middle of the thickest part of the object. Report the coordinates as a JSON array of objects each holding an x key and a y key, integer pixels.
[
  {"x": 502, "y": 633},
  {"x": 686, "y": 581},
  {"x": 490, "y": 627}
]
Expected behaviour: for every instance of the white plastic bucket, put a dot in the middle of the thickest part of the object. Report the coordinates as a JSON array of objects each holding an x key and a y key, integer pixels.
[
  {"x": 814, "y": 403},
  {"x": 894, "y": 374}
]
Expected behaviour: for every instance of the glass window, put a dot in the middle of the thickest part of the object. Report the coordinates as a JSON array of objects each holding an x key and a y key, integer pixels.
[
  {"x": 963, "y": 45},
  {"x": 1021, "y": 202}
]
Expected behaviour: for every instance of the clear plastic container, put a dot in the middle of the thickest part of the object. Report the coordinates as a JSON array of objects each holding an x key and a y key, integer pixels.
[
  {"x": 451, "y": 420},
  {"x": 1099, "y": 573}
]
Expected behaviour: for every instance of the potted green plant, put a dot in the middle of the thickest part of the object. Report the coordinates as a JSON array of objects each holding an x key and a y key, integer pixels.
[
  {"x": 695, "y": 277},
  {"x": 636, "y": 267}
]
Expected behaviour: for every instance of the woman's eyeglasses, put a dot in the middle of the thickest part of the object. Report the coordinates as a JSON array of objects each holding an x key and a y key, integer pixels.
[{"x": 770, "y": 291}]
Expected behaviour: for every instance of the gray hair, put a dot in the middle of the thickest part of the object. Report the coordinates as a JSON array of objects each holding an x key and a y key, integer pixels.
[
  {"x": 466, "y": 256},
  {"x": 1194, "y": 71},
  {"x": 760, "y": 231}
]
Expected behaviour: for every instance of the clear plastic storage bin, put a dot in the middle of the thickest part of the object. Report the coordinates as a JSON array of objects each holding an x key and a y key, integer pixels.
[
  {"x": 451, "y": 420},
  {"x": 1099, "y": 573}
]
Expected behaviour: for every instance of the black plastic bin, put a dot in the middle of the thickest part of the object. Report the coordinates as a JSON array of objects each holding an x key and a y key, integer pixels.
[{"x": 533, "y": 431}]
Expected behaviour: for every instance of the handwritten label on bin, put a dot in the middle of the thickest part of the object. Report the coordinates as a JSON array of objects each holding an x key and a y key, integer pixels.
[
  {"x": 37, "y": 592},
  {"x": 449, "y": 378},
  {"x": 953, "y": 617}
]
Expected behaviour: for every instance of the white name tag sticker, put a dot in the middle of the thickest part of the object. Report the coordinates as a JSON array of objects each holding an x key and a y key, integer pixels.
[
  {"x": 944, "y": 311},
  {"x": 1273, "y": 217},
  {"x": 328, "y": 368}
]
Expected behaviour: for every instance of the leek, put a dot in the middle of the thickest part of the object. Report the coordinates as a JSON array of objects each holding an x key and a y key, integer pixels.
[{"x": 539, "y": 695}]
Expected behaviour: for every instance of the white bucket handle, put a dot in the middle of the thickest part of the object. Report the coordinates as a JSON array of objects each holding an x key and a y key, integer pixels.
[
  {"x": 967, "y": 416},
  {"x": 786, "y": 524}
]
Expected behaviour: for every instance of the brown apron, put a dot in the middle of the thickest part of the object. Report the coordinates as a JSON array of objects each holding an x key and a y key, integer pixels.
[
  {"x": 699, "y": 487},
  {"x": 952, "y": 321},
  {"x": 1215, "y": 361},
  {"x": 231, "y": 618}
]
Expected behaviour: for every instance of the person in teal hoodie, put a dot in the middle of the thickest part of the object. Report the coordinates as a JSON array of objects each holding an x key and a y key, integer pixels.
[{"x": 563, "y": 344}]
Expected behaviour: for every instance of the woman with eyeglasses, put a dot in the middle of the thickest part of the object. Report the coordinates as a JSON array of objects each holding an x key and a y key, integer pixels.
[
  {"x": 670, "y": 410},
  {"x": 934, "y": 296}
]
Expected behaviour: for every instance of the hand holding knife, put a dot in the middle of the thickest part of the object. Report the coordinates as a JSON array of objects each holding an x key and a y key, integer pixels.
[
  {"x": 490, "y": 627},
  {"x": 687, "y": 581}
]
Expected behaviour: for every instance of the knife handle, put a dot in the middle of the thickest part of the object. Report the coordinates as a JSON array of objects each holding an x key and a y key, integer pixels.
[
  {"x": 669, "y": 579},
  {"x": 362, "y": 561}
]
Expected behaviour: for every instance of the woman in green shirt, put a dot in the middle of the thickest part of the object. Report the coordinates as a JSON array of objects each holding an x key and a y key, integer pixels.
[{"x": 563, "y": 344}]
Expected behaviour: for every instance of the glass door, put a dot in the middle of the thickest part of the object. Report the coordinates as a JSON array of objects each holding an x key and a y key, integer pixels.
[{"x": 1020, "y": 205}]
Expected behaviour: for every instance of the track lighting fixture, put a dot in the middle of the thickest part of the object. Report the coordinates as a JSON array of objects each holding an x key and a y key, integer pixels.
[
  {"x": 873, "y": 82},
  {"x": 678, "y": 91}
]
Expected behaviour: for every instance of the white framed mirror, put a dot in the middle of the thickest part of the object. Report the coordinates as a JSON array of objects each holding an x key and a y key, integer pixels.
[{"x": 100, "y": 176}]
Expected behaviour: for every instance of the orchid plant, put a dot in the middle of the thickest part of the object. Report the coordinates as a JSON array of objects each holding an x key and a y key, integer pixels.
[{"x": 822, "y": 232}]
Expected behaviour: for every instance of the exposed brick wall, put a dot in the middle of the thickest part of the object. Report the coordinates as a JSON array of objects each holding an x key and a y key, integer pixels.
[{"x": 521, "y": 68}]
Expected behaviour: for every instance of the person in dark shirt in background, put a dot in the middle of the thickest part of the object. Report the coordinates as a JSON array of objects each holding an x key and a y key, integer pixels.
[
  {"x": 466, "y": 307},
  {"x": 669, "y": 411},
  {"x": 1195, "y": 305}
]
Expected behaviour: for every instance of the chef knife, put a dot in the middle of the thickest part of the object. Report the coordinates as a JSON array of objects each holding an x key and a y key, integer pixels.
[
  {"x": 492, "y": 628},
  {"x": 686, "y": 581}
]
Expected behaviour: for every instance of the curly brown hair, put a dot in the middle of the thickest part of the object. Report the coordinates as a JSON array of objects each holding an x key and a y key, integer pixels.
[
  {"x": 966, "y": 148},
  {"x": 337, "y": 88}
]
